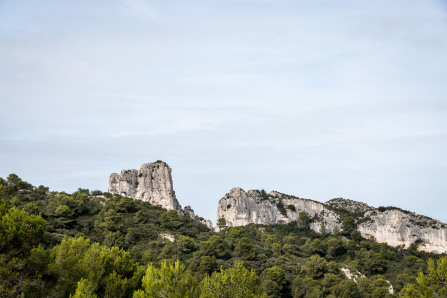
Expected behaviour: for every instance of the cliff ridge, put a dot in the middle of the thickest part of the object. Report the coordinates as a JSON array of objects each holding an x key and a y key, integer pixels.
[{"x": 391, "y": 225}]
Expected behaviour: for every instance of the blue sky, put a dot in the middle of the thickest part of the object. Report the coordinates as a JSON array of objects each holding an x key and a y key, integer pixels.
[{"x": 318, "y": 99}]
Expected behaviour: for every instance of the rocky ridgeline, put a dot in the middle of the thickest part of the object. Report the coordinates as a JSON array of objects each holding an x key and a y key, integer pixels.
[
  {"x": 151, "y": 183},
  {"x": 391, "y": 225},
  {"x": 240, "y": 208},
  {"x": 399, "y": 227}
]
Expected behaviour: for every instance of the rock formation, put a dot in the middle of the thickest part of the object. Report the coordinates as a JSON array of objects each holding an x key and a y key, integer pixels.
[
  {"x": 240, "y": 208},
  {"x": 151, "y": 183},
  {"x": 398, "y": 227},
  {"x": 386, "y": 224}
]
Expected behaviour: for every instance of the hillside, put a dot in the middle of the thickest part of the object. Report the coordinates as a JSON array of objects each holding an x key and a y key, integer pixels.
[{"x": 57, "y": 244}]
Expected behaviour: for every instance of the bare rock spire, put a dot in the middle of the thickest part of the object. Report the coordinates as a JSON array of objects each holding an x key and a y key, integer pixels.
[{"x": 151, "y": 183}]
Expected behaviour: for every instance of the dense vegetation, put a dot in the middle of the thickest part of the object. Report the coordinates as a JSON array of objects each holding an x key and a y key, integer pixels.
[{"x": 90, "y": 244}]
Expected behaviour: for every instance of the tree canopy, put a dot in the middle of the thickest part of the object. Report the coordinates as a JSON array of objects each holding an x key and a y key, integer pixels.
[{"x": 94, "y": 244}]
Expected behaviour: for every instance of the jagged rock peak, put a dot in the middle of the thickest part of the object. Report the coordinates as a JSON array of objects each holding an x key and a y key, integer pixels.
[{"x": 151, "y": 183}]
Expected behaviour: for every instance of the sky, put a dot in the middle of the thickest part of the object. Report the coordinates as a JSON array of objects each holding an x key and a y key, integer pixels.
[{"x": 318, "y": 99}]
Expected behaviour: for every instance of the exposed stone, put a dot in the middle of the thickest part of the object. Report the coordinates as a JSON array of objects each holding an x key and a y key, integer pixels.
[
  {"x": 206, "y": 222},
  {"x": 396, "y": 227},
  {"x": 240, "y": 208},
  {"x": 351, "y": 273},
  {"x": 168, "y": 237},
  {"x": 151, "y": 183},
  {"x": 355, "y": 275},
  {"x": 390, "y": 225}
]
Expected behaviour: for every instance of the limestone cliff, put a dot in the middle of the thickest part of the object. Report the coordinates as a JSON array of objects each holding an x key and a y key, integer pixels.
[
  {"x": 386, "y": 224},
  {"x": 151, "y": 183},
  {"x": 398, "y": 227},
  {"x": 240, "y": 208}
]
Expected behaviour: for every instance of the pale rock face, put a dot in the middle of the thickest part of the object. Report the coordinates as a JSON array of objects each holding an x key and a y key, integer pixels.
[
  {"x": 151, "y": 183},
  {"x": 392, "y": 226},
  {"x": 351, "y": 273},
  {"x": 403, "y": 228},
  {"x": 240, "y": 208},
  {"x": 355, "y": 275}
]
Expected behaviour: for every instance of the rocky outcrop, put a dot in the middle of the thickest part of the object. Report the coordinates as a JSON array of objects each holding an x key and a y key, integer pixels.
[
  {"x": 151, "y": 183},
  {"x": 188, "y": 210},
  {"x": 386, "y": 224},
  {"x": 398, "y": 227},
  {"x": 395, "y": 226},
  {"x": 240, "y": 208}
]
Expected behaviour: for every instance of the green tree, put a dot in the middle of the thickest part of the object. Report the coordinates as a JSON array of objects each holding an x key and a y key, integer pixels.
[
  {"x": 207, "y": 264},
  {"x": 17, "y": 183},
  {"x": 214, "y": 246},
  {"x": 376, "y": 286},
  {"x": 233, "y": 235},
  {"x": 272, "y": 243},
  {"x": 19, "y": 231},
  {"x": 306, "y": 287},
  {"x": 433, "y": 284},
  {"x": 234, "y": 282},
  {"x": 110, "y": 271},
  {"x": 315, "y": 267},
  {"x": 244, "y": 249},
  {"x": 21, "y": 262},
  {"x": 85, "y": 289},
  {"x": 170, "y": 280},
  {"x": 186, "y": 244},
  {"x": 329, "y": 282},
  {"x": 370, "y": 262},
  {"x": 222, "y": 223},
  {"x": 304, "y": 221},
  {"x": 273, "y": 280},
  {"x": 171, "y": 220},
  {"x": 347, "y": 289},
  {"x": 65, "y": 214},
  {"x": 348, "y": 225},
  {"x": 335, "y": 247}
]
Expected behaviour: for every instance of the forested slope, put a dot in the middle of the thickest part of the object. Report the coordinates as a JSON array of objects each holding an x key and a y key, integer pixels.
[{"x": 88, "y": 243}]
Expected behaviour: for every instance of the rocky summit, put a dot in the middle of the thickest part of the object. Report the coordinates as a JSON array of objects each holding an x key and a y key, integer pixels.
[
  {"x": 391, "y": 225},
  {"x": 151, "y": 183}
]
